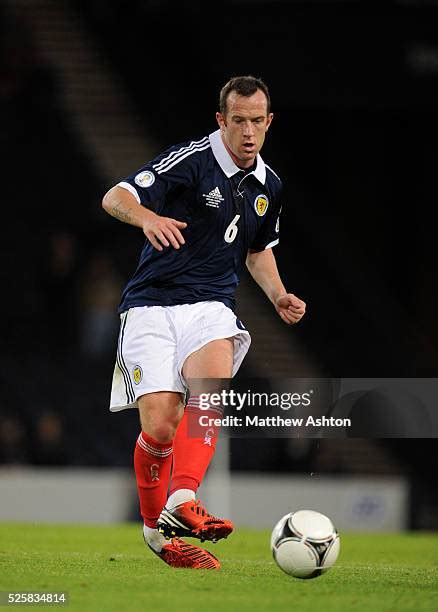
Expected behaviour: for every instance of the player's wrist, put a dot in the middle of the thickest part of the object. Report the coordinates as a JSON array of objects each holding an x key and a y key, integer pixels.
[
  {"x": 148, "y": 216},
  {"x": 278, "y": 294}
]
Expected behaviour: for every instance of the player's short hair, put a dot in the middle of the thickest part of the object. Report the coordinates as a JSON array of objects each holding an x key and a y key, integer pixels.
[{"x": 243, "y": 86}]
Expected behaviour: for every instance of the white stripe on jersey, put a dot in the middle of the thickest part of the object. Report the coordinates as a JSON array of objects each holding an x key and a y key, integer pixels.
[
  {"x": 181, "y": 151},
  {"x": 272, "y": 244},
  {"x": 181, "y": 157},
  {"x": 274, "y": 173}
]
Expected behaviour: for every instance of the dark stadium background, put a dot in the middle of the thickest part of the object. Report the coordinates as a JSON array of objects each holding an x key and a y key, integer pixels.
[{"x": 354, "y": 90}]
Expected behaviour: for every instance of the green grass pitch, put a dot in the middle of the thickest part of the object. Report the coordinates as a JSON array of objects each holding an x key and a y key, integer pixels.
[{"x": 109, "y": 568}]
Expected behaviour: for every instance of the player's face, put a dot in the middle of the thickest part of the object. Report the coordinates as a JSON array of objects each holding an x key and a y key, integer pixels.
[{"x": 244, "y": 126}]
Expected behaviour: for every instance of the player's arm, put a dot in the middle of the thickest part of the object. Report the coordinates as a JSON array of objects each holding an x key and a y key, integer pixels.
[
  {"x": 263, "y": 268},
  {"x": 160, "y": 231}
]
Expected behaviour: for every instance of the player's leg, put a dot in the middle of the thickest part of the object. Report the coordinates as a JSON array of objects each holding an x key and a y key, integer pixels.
[
  {"x": 204, "y": 370},
  {"x": 160, "y": 414},
  {"x": 213, "y": 362}
]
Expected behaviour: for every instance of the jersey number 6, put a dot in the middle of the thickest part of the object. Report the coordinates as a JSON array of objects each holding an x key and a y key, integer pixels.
[{"x": 232, "y": 229}]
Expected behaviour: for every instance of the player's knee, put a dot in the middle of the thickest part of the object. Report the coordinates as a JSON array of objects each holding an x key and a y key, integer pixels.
[
  {"x": 160, "y": 419},
  {"x": 163, "y": 432}
]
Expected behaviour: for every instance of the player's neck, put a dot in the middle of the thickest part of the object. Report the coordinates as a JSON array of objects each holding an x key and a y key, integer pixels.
[{"x": 250, "y": 168}]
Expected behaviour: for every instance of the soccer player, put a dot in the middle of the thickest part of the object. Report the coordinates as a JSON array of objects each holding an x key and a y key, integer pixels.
[{"x": 206, "y": 207}]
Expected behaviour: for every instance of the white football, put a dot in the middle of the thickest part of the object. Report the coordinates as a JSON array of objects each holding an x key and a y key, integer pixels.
[{"x": 305, "y": 544}]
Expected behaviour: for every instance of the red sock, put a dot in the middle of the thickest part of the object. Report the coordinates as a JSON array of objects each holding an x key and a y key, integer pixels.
[
  {"x": 192, "y": 455},
  {"x": 152, "y": 463}
]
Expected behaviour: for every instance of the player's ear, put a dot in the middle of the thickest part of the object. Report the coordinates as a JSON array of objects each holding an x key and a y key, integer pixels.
[
  {"x": 269, "y": 121},
  {"x": 221, "y": 120}
]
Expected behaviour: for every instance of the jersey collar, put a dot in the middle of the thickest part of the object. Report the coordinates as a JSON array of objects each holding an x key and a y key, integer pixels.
[{"x": 226, "y": 163}]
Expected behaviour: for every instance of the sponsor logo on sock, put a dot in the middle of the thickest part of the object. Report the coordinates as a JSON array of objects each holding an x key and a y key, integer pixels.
[
  {"x": 208, "y": 435},
  {"x": 154, "y": 472}
]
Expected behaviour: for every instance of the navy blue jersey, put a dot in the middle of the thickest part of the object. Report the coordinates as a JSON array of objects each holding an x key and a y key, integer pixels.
[{"x": 227, "y": 211}]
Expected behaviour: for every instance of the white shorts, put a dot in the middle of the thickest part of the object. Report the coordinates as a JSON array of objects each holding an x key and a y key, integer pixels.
[{"x": 155, "y": 341}]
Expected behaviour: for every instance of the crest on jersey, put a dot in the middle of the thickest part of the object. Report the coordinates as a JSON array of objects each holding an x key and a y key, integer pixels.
[
  {"x": 137, "y": 374},
  {"x": 145, "y": 178},
  {"x": 261, "y": 204}
]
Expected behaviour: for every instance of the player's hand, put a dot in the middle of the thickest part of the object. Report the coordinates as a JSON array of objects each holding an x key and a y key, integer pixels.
[
  {"x": 290, "y": 308},
  {"x": 163, "y": 231}
]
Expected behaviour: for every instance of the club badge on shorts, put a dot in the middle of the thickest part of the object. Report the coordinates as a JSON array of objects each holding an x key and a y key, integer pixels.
[
  {"x": 261, "y": 204},
  {"x": 137, "y": 374}
]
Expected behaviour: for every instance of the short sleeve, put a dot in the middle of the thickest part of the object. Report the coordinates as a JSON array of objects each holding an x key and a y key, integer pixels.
[
  {"x": 175, "y": 167},
  {"x": 268, "y": 235}
]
